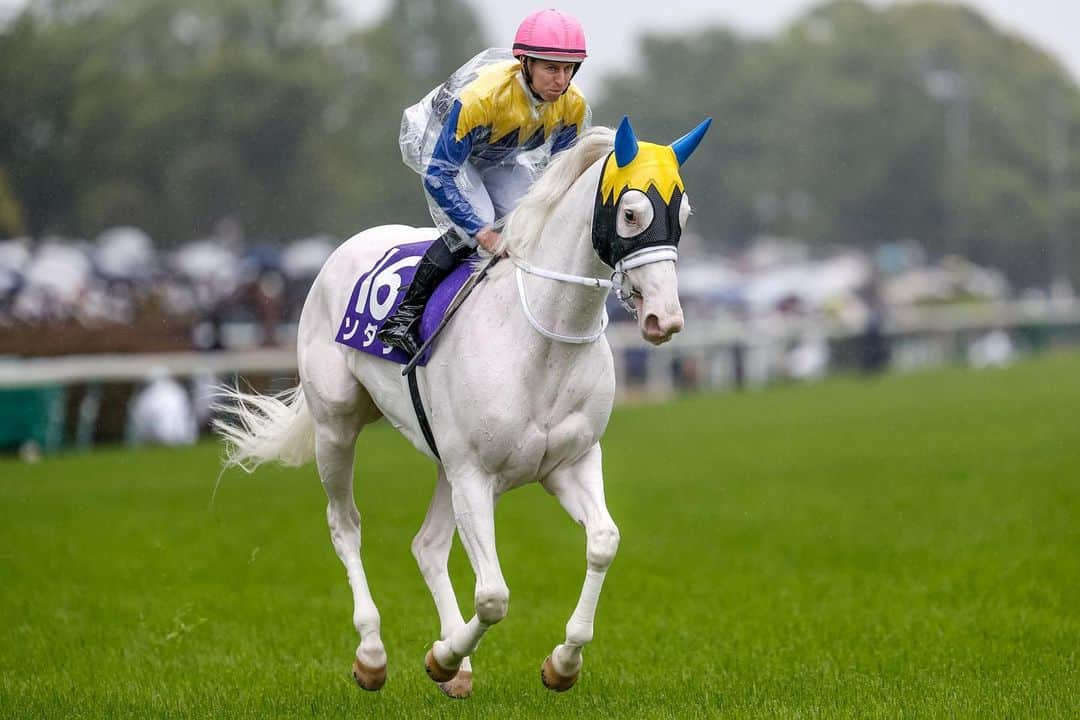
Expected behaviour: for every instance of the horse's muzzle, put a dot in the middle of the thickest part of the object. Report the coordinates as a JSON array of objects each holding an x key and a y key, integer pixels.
[{"x": 658, "y": 327}]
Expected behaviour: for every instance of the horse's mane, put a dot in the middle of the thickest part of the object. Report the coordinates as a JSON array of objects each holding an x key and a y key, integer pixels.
[{"x": 524, "y": 224}]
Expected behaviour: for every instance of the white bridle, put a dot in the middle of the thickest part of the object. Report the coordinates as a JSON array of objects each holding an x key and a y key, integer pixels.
[{"x": 619, "y": 282}]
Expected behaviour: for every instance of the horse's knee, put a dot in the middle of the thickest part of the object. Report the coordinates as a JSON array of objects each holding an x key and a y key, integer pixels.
[
  {"x": 602, "y": 544},
  {"x": 492, "y": 604}
]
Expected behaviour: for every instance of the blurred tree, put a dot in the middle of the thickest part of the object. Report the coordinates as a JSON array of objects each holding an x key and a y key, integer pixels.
[
  {"x": 385, "y": 69},
  {"x": 856, "y": 125},
  {"x": 11, "y": 219},
  {"x": 177, "y": 114},
  {"x": 994, "y": 94},
  {"x": 860, "y": 125},
  {"x": 37, "y": 151},
  {"x": 193, "y": 112}
]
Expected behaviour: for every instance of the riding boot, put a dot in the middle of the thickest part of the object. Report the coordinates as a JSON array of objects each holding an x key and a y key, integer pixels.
[{"x": 402, "y": 329}]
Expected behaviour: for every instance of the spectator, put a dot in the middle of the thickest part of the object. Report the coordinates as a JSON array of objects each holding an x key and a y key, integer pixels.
[{"x": 162, "y": 413}]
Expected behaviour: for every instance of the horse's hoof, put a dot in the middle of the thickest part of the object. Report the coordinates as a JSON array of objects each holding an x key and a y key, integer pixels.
[
  {"x": 553, "y": 680},
  {"x": 368, "y": 678},
  {"x": 436, "y": 671},
  {"x": 460, "y": 687}
]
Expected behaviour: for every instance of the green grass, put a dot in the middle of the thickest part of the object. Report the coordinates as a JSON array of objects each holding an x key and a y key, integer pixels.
[{"x": 901, "y": 547}]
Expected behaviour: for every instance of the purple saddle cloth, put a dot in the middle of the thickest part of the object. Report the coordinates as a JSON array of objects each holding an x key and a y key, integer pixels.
[{"x": 378, "y": 292}]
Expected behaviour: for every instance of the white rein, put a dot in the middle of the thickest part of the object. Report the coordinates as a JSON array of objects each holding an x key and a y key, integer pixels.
[{"x": 619, "y": 282}]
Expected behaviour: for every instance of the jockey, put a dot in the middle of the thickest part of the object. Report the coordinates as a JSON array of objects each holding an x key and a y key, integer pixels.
[{"x": 473, "y": 176}]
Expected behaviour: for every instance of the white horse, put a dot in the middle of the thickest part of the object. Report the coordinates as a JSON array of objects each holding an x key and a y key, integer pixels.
[{"x": 519, "y": 390}]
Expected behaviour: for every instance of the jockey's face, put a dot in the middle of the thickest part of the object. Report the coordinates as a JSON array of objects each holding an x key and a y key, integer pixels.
[{"x": 550, "y": 78}]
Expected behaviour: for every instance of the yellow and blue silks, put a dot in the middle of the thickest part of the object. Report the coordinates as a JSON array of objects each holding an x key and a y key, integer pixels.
[{"x": 492, "y": 120}]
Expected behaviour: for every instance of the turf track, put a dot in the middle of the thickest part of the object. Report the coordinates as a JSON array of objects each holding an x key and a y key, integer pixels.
[{"x": 901, "y": 547}]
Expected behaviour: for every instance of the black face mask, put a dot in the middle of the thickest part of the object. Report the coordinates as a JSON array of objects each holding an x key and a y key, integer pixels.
[{"x": 665, "y": 230}]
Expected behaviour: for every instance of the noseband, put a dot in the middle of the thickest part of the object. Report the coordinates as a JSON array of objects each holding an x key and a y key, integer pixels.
[{"x": 619, "y": 282}]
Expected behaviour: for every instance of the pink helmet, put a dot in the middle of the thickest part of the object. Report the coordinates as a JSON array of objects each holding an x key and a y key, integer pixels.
[{"x": 550, "y": 35}]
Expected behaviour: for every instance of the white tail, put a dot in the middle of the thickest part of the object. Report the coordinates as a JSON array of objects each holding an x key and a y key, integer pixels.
[{"x": 263, "y": 428}]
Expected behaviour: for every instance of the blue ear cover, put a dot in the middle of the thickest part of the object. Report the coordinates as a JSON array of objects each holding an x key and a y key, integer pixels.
[
  {"x": 684, "y": 147},
  {"x": 626, "y": 148}
]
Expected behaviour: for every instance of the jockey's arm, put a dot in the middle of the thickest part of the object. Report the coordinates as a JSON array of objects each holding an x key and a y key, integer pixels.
[{"x": 440, "y": 177}]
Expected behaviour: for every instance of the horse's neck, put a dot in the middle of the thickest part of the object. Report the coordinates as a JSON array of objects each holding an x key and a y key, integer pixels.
[{"x": 565, "y": 245}]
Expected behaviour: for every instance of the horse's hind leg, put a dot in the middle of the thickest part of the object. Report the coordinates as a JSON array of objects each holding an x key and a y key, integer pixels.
[
  {"x": 580, "y": 490},
  {"x": 340, "y": 407},
  {"x": 473, "y": 499},
  {"x": 431, "y": 548}
]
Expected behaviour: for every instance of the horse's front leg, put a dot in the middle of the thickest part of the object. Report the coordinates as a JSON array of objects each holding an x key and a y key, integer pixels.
[
  {"x": 473, "y": 497},
  {"x": 580, "y": 490},
  {"x": 431, "y": 548}
]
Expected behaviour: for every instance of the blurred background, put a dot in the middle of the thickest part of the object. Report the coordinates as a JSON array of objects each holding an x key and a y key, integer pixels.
[{"x": 887, "y": 186}]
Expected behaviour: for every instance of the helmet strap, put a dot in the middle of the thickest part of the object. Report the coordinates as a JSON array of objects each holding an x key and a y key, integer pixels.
[{"x": 528, "y": 77}]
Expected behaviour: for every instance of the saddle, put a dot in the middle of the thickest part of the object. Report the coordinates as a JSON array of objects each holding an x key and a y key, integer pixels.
[{"x": 377, "y": 293}]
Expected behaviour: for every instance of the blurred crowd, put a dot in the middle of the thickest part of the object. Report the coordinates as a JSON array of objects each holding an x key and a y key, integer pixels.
[
  {"x": 121, "y": 276},
  {"x": 121, "y": 279},
  {"x": 776, "y": 310}
]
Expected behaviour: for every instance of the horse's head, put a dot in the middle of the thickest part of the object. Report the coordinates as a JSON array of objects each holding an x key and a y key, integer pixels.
[{"x": 641, "y": 209}]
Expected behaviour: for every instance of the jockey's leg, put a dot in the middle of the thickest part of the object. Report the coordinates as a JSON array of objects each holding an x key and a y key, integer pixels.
[
  {"x": 473, "y": 497},
  {"x": 580, "y": 490},
  {"x": 340, "y": 407},
  {"x": 431, "y": 548},
  {"x": 506, "y": 185},
  {"x": 402, "y": 329}
]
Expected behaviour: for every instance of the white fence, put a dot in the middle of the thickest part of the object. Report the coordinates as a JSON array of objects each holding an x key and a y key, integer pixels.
[
  {"x": 73, "y": 392},
  {"x": 916, "y": 337},
  {"x": 728, "y": 353}
]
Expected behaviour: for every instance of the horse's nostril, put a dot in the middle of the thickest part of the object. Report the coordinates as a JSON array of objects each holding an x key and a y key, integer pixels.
[{"x": 652, "y": 325}]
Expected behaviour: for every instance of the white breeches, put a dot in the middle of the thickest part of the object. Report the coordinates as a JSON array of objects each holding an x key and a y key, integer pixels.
[{"x": 493, "y": 192}]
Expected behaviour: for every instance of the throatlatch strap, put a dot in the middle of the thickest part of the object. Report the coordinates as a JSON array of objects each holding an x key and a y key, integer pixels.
[{"x": 421, "y": 416}]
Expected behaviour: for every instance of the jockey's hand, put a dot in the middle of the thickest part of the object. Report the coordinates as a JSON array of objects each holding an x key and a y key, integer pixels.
[{"x": 487, "y": 238}]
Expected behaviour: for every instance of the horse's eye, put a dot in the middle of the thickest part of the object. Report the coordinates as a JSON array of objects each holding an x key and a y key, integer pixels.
[{"x": 635, "y": 216}]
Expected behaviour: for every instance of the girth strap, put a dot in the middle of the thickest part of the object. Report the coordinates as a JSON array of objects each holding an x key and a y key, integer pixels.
[
  {"x": 410, "y": 368},
  {"x": 421, "y": 416}
]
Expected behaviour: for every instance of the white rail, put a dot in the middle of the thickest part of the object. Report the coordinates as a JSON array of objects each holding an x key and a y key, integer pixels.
[
  {"x": 703, "y": 342},
  {"x": 71, "y": 369}
]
